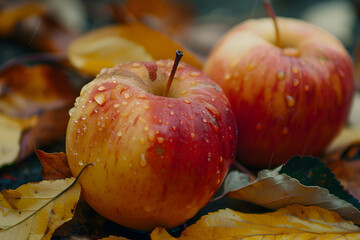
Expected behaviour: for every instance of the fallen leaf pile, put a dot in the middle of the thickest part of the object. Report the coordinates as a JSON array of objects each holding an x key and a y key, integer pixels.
[
  {"x": 292, "y": 222},
  {"x": 36, "y": 210}
]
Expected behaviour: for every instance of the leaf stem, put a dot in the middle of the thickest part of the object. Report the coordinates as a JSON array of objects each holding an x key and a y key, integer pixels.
[
  {"x": 270, "y": 11},
  {"x": 178, "y": 57}
]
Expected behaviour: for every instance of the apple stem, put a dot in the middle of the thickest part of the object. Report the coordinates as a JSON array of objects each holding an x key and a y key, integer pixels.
[
  {"x": 178, "y": 57},
  {"x": 270, "y": 11}
]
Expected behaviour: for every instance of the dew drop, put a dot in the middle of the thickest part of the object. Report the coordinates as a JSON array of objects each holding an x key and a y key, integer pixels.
[
  {"x": 151, "y": 136},
  {"x": 160, "y": 140},
  {"x": 192, "y": 135},
  {"x": 141, "y": 96},
  {"x": 306, "y": 87},
  {"x": 119, "y": 133},
  {"x": 146, "y": 107},
  {"x": 124, "y": 114},
  {"x": 204, "y": 120},
  {"x": 227, "y": 76},
  {"x": 101, "y": 88},
  {"x": 295, "y": 69},
  {"x": 251, "y": 66},
  {"x": 143, "y": 161},
  {"x": 116, "y": 105},
  {"x": 183, "y": 92},
  {"x": 280, "y": 75},
  {"x": 194, "y": 74},
  {"x": 146, "y": 128},
  {"x": 215, "y": 128},
  {"x": 81, "y": 163},
  {"x": 142, "y": 141},
  {"x": 126, "y": 95},
  {"x": 187, "y": 101},
  {"x": 142, "y": 120},
  {"x": 290, "y": 100},
  {"x": 218, "y": 181},
  {"x": 171, "y": 113},
  {"x": 285, "y": 131},
  {"x": 246, "y": 78},
  {"x": 100, "y": 98},
  {"x": 296, "y": 82},
  {"x": 71, "y": 111},
  {"x": 136, "y": 65},
  {"x": 173, "y": 128},
  {"x": 124, "y": 103},
  {"x": 291, "y": 52}
]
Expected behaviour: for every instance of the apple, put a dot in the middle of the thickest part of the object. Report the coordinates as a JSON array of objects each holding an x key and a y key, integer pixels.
[
  {"x": 290, "y": 88},
  {"x": 158, "y": 153}
]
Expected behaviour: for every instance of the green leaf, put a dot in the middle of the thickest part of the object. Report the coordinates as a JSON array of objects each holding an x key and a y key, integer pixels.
[{"x": 310, "y": 171}]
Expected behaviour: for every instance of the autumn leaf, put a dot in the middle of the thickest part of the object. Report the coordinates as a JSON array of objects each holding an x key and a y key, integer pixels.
[
  {"x": 11, "y": 15},
  {"x": 292, "y": 222},
  {"x": 35, "y": 210},
  {"x": 107, "y": 46},
  {"x": 304, "y": 181},
  {"x": 42, "y": 92},
  {"x": 114, "y": 238},
  {"x": 55, "y": 165},
  {"x": 11, "y": 129}
]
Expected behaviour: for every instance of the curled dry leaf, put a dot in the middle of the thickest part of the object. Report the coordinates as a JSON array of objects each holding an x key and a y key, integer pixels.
[
  {"x": 275, "y": 189},
  {"x": 292, "y": 222},
  {"x": 11, "y": 129},
  {"x": 35, "y": 210},
  {"x": 114, "y": 238},
  {"x": 110, "y": 45},
  {"x": 11, "y": 15},
  {"x": 170, "y": 17},
  {"x": 55, "y": 165},
  {"x": 40, "y": 91}
]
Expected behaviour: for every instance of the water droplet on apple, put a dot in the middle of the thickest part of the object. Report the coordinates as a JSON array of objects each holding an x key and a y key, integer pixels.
[
  {"x": 187, "y": 101},
  {"x": 160, "y": 140},
  {"x": 218, "y": 181},
  {"x": 227, "y": 76},
  {"x": 246, "y": 78},
  {"x": 100, "y": 98},
  {"x": 136, "y": 65},
  {"x": 126, "y": 95},
  {"x": 145, "y": 107},
  {"x": 119, "y": 133},
  {"x": 192, "y": 135},
  {"x": 171, "y": 113},
  {"x": 280, "y": 75},
  {"x": 296, "y": 82},
  {"x": 295, "y": 69},
  {"x": 81, "y": 163},
  {"x": 124, "y": 103},
  {"x": 143, "y": 161},
  {"x": 71, "y": 111},
  {"x": 204, "y": 120},
  {"x": 142, "y": 141},
  {"x": 173, "y": 128},
  {"x": 291, "y": 52},
  {"x": 306, "y": 88},
  {"x": 194, "y": 74},
  {"x": 101, "y": 88},
  {"x": 102, "y": 71},
  {"x": 285, "y": 131},
  {"x": 142, "y": 120},
  {"x": 151, "y": 136},
  {"x": 84, "y": 127},
  {"x": 290, "y": 100}
]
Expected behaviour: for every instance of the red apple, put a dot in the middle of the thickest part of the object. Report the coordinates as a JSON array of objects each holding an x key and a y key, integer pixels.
[
  {"x": 290, "y": 97},
  {"x": 157, "y": 160}
]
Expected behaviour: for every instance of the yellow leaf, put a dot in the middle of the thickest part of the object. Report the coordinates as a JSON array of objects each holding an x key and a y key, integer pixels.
[
  {"x": 35, "y": 210},
  {"x": 111, "y": 45},
  {"x": 11, "y": 131},
  {"x": 292, "y": 222},
  {"x": 114, "y": 238}
]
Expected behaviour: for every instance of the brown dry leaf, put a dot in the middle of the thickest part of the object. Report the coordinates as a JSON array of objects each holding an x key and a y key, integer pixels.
[
  {"x": 42, "y": 91},
  {"x": 168, "y": 16},
  {"x": 11, "y": 130},
  {"x": 292, "y": 222},
  {"x": 11, "y": 15},
  {"x": 36, "y": 210},
  {"x": 55, "y": 165},
  {"x": 111, "y": 45},
  {"x": 114, "y": 238}
]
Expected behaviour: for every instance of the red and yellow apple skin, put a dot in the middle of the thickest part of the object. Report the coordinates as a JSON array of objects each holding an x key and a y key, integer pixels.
[
  {"x": 289, "y": 100},
  {"x": 157, "y": 160}
]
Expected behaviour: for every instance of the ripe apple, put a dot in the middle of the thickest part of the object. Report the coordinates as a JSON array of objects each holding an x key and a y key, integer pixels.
[
  {"x": 290, "y": 89},
  {"x": 157, "y": 159}
]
